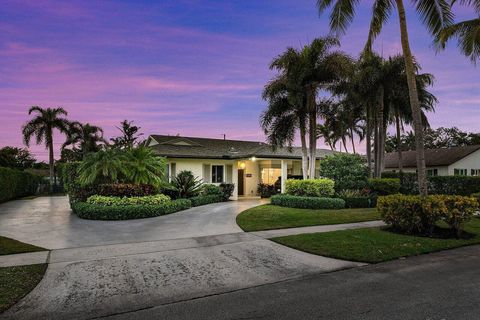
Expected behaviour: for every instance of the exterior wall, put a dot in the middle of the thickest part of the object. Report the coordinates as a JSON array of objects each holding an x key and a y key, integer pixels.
[
  {"x": 472, "y": 161},
  {"x": 442, "y": 171}
]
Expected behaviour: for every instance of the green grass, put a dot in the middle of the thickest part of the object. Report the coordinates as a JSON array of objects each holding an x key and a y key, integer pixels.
[
  {"x": 268, "y": 217},
  {"x": 374, "y": 245},
  {"x": 16, "y": 282},
  {"x": 10, "y": 246}
]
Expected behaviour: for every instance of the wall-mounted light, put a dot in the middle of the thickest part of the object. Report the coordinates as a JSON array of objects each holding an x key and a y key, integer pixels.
[
  {"x": 253, "y": 159},
  {"x": 242, "y": 165}
]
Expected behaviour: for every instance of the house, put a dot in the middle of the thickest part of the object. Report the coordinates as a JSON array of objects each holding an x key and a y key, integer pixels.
[
  {"x": 462, "y": 161},
  {"x": 243, "y": 163}
]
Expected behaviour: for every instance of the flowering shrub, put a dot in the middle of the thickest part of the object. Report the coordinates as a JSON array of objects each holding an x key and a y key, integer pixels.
[
  {"x": 310, "y": 188},
  {"x": 126, "y": 201}
]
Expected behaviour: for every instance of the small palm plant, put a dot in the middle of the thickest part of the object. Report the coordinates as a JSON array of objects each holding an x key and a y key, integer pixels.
[
  {"x": 104, "y": 166},
  {"x": 186, "y": 184},
  {"x": 143, "y": 166}
]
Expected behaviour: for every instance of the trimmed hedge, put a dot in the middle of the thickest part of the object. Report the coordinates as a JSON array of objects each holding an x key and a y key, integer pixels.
[
  {"x": 286, "y": 200},
  {"x": 126, "y": 190},
  {"x": 15, "y": 184},
  {"x": 157, "y": 199},
  {"x": 202, "y": 200},
  {"x": 310, "y": 188},
  {"x": 99, "y": 212},
  {"x": 359, "y": 202},
  {"x": 418, "y": 215},
  {"x": 384, "y": 186}
]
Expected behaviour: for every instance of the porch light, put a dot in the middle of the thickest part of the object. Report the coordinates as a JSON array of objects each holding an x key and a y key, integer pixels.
[
  {"x": 253, "y": 159},
  {"x": 242, "y": 165}
]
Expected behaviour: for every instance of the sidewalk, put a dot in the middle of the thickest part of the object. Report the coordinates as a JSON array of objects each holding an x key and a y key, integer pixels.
[{"x": 24, "y": 259}]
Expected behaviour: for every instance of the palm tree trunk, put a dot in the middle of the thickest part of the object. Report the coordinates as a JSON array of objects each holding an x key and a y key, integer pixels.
[
  {"x": 312, "y": 130},
  {"x": 380, "y": 127},
  {"x": 375, "y": 145},
  {"x": 344, "y": 141},
  {"x": 369, "y": 141},
  {"x": 414, "y": 102},
  {"x": 399, "y": 142},
  {"x": 304, "y": 151},
  {"x": 353, "y": 142},
  {"x": 50, "y": 159}
]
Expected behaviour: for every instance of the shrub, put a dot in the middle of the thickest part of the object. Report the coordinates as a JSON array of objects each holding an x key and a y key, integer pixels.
[
  {"x": 99, "y": 212},
  {"x": 418, "y": 215},
  {"x": 266, "y": 190},
  {"x": 15, "y": 184},
  {"x": 454, "y": 185},
  {"x": 227, "y": 190},
  {"x": 349, "y": 171},
  {"x": 286, "y": 200},
  {"x": 476, "y": 196},
  {"x": 359, "y": 202},
  {"x": 310, "y": 188},
  {"x": 210, "y": 189},
  {"x": 76, "y": 191},
  {"x": 186, "y": 184},
  {"x": 384, "y": 186},
  {"x": 202, "y": 200},
  {"x": 126, "y": 190},
  {"x": 124, "y": 201}
]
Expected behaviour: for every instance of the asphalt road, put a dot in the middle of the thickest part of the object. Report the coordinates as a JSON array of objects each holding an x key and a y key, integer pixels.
[{"x": 444, "y": 285}]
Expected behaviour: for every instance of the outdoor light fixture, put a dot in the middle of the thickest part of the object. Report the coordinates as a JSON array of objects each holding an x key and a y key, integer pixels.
[
  {"x": 242, "y": 165},
  {"x": 253, "y": 159}
]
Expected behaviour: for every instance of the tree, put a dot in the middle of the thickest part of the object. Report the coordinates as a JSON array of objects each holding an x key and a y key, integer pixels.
[
  {"x": 435, "y": 14},
  {"x": 85, "y": 138},
  {"x": 466, "y": 32},
  {"x": 349, "y": 171},
  {"x": 129, "y": 137},
  {"x": 42, "y": 127},
  {"x": 18, "y": 158},
  {"x": 143, "y": 166},
  {"x": 104, "y": 166}
]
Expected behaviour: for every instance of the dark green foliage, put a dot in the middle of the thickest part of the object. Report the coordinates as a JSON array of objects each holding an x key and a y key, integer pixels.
[
  {"x": 76, "y": 192},
  {"x": 285, "y": 200},
  {"x": 359, "y": 202},
  {"x": 16, "y": 158},
  {"x": 206, "y": 199},
  {"x": 15, "y": 184},
  {"x": 349, "y": 171},
  {"x": 98, "y": 212},
  {"x": 126, "y": 190},
  {"x": 384, "y": 186},
  {"x": 227, "y": 190},
  {"x": 266, "y": 190},
  {"x": 186, "y": 184},
  {"x": 211, "y": 189}
]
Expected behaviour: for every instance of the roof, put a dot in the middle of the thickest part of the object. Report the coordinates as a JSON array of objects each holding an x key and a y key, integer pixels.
[
  {"x": 433, "y": 157},
  {"x": 206, "y": 148}
]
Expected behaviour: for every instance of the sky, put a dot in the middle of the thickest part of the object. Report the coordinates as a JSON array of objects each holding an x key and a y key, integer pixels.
[{"x": 188, "y": 67}]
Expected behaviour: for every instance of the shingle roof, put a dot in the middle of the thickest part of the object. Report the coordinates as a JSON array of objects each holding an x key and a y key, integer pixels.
[
  {"x": 433, "y": 157},
  {"x": 193, "y": 147}
]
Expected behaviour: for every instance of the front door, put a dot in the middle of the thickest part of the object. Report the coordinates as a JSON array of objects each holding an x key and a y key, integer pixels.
[{"x": 240, "y": 180}]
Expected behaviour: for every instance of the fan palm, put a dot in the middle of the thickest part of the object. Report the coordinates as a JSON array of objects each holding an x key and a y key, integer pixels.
[
  {"x": 42, "y": 126},
  {"x": 104, "y": 166},
  {"x": 86, "y": 136},
  {"x": 143, "y": 166},
  {"x": 435, "y": 14}
]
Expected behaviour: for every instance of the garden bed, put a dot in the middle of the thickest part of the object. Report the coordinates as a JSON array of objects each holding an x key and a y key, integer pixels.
[
  {"x": 268, "y": 217},
  {"x": 374, "y": 245}
]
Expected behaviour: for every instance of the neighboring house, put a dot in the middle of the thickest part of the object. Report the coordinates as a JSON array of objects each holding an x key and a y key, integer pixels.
[
  {"x": 461, "y": 161},
  {"x": 243, "y": 163}
]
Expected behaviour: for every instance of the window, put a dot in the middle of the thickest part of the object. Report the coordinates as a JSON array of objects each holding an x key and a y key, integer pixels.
[
  {"x": 171, "y": 171},
  {"x": 460, "y": 172},
  {"x": 270, "y": 175},
  {"x": 475, "y": 172},
  {"x": 217, "y": 174},
  {"x": 432, "y": 172}
]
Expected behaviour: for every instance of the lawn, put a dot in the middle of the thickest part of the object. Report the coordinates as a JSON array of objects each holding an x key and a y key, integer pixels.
[
  {"x": 374, "y": 245},
  {"x": 268, "y": 217},
  {"x": 16, "y": 282},
  {"x": 10, "y": 246}
]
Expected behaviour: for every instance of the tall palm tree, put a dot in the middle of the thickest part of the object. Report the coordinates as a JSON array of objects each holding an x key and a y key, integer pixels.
[
  {"x": 86, "y": 136},
  {"x": 435, "y": 14},
  {"x": 466, "y": 32},
  {"x": 42, "y": 126}
]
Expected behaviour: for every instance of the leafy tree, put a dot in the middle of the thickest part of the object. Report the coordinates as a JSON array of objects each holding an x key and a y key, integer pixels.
[
  {"x": 85, "y": 138},
  {"x": 42, "y": 126},
  {"x": 18, "y": 158},
  {"x": 436, "y": 15},
  {"x": 349, "y": 171},
  {"x": 129, "y": 137}
]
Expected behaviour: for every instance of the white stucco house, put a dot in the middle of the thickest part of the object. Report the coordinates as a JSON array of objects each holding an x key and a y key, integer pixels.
[
  {"x": 463, "y": 161},
  {"x": 243, "y": 163}
]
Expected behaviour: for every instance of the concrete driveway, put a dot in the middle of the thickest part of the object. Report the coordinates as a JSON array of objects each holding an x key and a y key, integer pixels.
[{"x": 103, "y": 268}]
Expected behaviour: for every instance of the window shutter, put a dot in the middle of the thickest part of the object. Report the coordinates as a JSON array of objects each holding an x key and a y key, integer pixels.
[
  {"x": 228, "y": 173},
  {"x": 206, "y": 173}
]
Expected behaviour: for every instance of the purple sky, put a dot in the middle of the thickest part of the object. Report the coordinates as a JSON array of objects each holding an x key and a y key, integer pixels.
[{"x": 183, "y": 66}]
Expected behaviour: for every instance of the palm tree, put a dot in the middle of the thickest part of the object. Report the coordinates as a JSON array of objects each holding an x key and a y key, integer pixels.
[
  {"x": 129, "y": 137},
  {"x": 104, "y": 166},
  {"x": 86, "y": 136},
  {"x": 42, "y": 126},
  {"x": 143, "y": 166},
  {"x": 466, "y": 32},
  {"x": 435, "y": 14}
]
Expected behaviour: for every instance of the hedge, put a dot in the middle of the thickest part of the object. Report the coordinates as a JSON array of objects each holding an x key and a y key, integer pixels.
[
  {"x": 384, "y": 186},
  {"x": 418, "y": 215},
  {"x": 99, "y": 212},
  {"x": 15, "y": 184},
  {"x": 126, "y": 190},
  {"x": 359, "y": 202},
  {"x": 126, "y": 201},
  {"x": 286, "y": 200},
  {"x": 202, "y": 200},
  {"x": 310, "y": 188}
]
